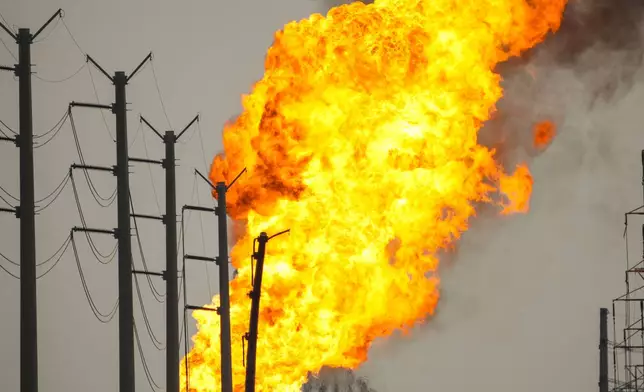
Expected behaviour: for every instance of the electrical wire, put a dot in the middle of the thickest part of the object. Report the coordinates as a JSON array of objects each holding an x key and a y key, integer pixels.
[
  {"x": 60, "y": 256},
  {"x": 158, "y": 296},
  {"x": 55, "y": 193},
  {"x": 66, "y": 78},
  {"x": 156, "y": 82},
  {"x": 157, "y": 343},
  {"x": 11, "y": 262},
  {"x": 91, "y": 76},
  {"x": 55, "y": 129},
  {"x": 8, "y": 128},
  {"x": 103, "y": 318},
  {"x": 203, "y": 243},
  {"x": 93, "y": 190},
  {"x": 6, "y": 270},
  {"x": 51, "y": 31},
  {"x": 107, "y": 127},
  {"x": 103, "y": 259},
  {"x": 154, "y": 188},
  {"x": 148, "y": 375},
  {"x": 7, "y": 24},
  {"x": 8, "y": 50}
]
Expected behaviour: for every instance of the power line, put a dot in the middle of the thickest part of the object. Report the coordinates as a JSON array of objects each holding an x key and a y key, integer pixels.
[
  {"x": 55, "y": 193},
  {"x": 8, "y": 128},
  {"x": 103, "y": 318},
  {"x": 158, "y": 296},
  {"x": 148, "y": 375},
  {"x": 8, "y": 49},
  {"x": 154, "y": 188},
  {"x": 9, "y": 195},
  {"x": 52, "y": 30},
  {"x": 66, "y": 78},
  {"x": 156, "y": 82},
  {"x": 103, "y": 259},
  {"x": 93, "y": 190},
  {"x": 60, "y": 256},
  {"x": 6, "y": 270},
  {"x": 157, "y": 343}
]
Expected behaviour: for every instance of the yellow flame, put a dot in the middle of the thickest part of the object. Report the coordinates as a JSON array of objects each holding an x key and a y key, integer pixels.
[{"x": 361, "y": 138}]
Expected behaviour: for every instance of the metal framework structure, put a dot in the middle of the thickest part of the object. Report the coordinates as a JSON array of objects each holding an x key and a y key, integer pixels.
[{"x": 628, "y": 334}]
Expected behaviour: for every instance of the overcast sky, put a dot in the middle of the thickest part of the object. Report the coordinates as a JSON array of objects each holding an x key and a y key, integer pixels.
[{"x": 521, "y": 301}]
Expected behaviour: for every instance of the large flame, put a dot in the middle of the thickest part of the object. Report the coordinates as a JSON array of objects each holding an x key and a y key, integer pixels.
[{"x": 361, "y": 138}]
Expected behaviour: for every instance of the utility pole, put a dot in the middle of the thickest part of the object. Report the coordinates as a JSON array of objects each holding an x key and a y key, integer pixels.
[
  {"x": 170, "y": 274},
  {"x": 224, "y": 279},
  {"x": 126, "y": 306},
  {"x": 255, "y": 294},
  {"x": 224, "y": 291},
  {"x": 603, "y": 350},
  {"x": 26, "y": 211}
]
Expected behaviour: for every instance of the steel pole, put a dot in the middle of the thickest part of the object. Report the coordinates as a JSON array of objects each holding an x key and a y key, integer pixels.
[
  {"x": 126, "y": 311},
  {"x": 28, "y": 300},
  {"x": 172, "y": 296},
  {"x": 603, "y": 350},
  {"x": 224, "y": 293}
]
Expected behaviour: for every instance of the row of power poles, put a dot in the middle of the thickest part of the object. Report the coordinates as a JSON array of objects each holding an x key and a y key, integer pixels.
[{"x": 26, "y": 213}]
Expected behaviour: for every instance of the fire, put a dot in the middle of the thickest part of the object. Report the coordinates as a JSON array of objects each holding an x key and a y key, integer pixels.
[
  {"x": 544, "y": 132},
  {"x": 361, "y": 138}
]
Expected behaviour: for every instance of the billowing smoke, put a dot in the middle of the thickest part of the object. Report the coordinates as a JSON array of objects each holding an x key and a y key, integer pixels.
[{"x": 336, "y": 380}]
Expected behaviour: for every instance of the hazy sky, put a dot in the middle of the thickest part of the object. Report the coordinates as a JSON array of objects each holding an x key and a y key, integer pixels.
[{"x": 521, "y": 302}]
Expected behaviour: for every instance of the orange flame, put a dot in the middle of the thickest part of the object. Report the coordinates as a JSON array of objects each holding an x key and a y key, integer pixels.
[
  {"x": 361, "y": 138},
  {"x": 544, "y": 132}
]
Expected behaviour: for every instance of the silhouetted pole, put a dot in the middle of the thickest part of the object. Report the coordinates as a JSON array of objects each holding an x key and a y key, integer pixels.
[
  {"x": 255, "y": 294},
  {"x": 126, "y": 308},
  {"x": 224, "y": 293},
  {"x": 172, "y": 296},
  {"x": 603, "y": 350},
  {"x": 28, "y": 301}
]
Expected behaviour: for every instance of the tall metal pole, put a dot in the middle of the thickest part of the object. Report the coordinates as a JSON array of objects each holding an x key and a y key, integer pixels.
[
  {"x": 603, "y": 350},
  {"x": 224, "y": 294},
  {"x": 172, "y": 296},
  {"x": 28, "y": 313},
  {"x": 255, "y": 294},
  {"x": 126, "y": 311}
]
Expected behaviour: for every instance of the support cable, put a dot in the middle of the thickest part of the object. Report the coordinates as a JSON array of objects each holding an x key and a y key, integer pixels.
[
  {"x": 103, "y": 259},
  {"x": 103, "y": 318},
  {"x": 156, "y": 82},
  {"x": 8, "y": 49},
  {"x": 101, "y": 200},
  {"x": 148, "y": 375},
  {"x": 158, "y": 296},
  {"x": 157, "y": 343},
  {"x": 64, "y": 79},
  {"x": 147, "y": 155},
  {"x": 91, "y": 76}
]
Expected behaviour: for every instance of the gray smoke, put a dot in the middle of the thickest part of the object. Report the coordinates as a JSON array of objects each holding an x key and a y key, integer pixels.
[{"x": 336, "y": 380}]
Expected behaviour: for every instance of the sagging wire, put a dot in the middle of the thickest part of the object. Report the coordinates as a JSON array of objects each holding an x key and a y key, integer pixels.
[
  {"x": 148, "y": 375},
  {"x": 158, "y": 296},
  {"x": 102, "y": 258},
  {"x": 103, "y": 318},
  {"x": 55, "y": 193},
  {"x": 102, "y": 201},
  {"x": 55, "y": 130},
  {"x": 157, "y": 343}
]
